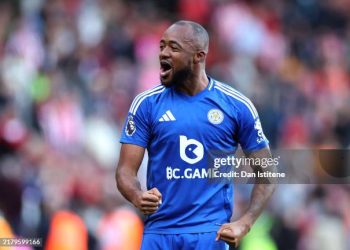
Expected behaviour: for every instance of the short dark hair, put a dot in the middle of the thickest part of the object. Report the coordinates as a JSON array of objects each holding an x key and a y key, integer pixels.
[{"x": 199, "y": 33}]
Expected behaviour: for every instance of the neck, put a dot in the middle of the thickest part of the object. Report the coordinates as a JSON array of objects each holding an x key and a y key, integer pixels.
[{"x": 194, "y": 84}]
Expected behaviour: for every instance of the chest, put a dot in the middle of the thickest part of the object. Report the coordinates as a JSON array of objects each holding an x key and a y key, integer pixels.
[{"x": 210, "y": 121}]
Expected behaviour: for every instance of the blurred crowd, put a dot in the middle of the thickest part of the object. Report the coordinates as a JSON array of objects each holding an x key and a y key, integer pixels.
[{"x": 69, "y": 70}]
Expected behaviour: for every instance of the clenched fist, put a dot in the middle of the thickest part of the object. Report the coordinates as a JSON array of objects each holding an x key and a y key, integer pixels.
[
  {"x": 233, "y": 232},
  {"x": 148, "y": 202}
]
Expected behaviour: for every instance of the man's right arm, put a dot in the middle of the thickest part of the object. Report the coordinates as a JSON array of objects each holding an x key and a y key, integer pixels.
[{"x": 128, "y": 184}]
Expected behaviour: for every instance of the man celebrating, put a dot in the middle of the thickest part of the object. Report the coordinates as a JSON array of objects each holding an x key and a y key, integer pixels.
[{"x": 179, "y": 122}]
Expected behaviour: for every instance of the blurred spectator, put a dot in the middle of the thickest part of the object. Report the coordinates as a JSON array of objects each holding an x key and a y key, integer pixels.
[
  {"x": 67, "y": 232},
  {"x": 120, "y": 229}
]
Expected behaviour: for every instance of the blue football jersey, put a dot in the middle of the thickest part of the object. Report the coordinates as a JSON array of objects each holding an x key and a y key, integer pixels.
[{"x": 178, "y": 132}]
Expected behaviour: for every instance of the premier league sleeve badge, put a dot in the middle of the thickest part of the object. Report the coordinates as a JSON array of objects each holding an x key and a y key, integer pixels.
[{"x": 130, "y": 127}]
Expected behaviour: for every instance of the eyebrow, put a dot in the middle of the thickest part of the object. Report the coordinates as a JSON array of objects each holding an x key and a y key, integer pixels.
[{"x": 171, "y": 42}]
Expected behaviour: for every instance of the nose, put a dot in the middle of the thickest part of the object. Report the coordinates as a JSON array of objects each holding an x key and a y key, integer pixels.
[{"x": 164, "y": 53}]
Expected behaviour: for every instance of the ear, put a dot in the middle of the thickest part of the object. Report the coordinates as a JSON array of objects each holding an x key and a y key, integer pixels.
[{"x": 199, "y": 57}]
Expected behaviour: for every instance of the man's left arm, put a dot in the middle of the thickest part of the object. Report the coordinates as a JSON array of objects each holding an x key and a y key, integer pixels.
[{"x": 233, "y": 232}]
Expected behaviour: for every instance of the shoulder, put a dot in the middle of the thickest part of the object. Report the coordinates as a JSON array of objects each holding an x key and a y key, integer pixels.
[
  {"x": 142, "y": 98},
  {"x": 235, "y": 98}
]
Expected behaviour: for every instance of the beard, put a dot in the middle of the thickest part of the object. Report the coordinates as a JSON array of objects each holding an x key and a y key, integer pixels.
[{"x": 177, "y": 78}]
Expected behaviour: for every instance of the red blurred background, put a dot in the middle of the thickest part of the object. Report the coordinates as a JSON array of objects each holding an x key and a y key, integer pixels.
[{"x": 69, "y": 70}]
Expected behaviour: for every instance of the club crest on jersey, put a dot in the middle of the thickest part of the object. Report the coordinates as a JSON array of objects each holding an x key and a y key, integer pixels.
[
  {"x": 130, "y": 127},
  {"x": 215, "y": 116}
]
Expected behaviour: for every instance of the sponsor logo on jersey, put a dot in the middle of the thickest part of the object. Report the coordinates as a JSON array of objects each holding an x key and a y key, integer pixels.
[
  {"x": 130, "y": 127},
  {"x": 191, "y": 150},
  {"x": 215, "y": 116}
]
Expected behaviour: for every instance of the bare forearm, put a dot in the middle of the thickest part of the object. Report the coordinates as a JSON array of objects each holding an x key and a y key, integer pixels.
[
  {"x": 128, "y": 185},
  {"x": 233, "y": 232},
  {"x": 263, "y": 187},
  {"x": 260, "y": 195}
]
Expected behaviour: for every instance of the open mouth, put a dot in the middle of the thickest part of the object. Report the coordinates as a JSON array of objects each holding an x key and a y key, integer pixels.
[{"x": 165, "y": 68}]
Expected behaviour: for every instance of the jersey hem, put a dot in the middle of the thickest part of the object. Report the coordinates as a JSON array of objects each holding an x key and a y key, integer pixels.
[
  {"x": 133, "y": 143},
  {"x": 182, "y": 230}
]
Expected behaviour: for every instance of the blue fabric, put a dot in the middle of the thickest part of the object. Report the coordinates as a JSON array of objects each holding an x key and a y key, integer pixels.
[
  {"x": 180, "y": 132},
  {"x": 200, "y": 241}
]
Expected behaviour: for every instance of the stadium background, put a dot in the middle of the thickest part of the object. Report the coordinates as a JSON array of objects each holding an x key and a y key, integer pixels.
[{"x": 69, "y": 69}]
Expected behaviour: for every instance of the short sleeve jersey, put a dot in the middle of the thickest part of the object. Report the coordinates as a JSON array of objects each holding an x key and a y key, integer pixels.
[{"x": 178, "y": 132}]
